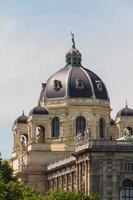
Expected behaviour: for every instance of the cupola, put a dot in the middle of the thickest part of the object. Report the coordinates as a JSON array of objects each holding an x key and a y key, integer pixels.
[
  {"x": 38, "y": 110},
  {"x": 74, "y": 80},
  {"x": 22, "y": 119}
]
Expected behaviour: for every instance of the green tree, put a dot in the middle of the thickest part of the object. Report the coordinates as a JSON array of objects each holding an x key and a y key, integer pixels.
[
  {"x": 6, "y": 172},
  {"x": 18, "y": 191},
  {"x": 11, "y": 189},
  {"x": 58, "y": 194}
]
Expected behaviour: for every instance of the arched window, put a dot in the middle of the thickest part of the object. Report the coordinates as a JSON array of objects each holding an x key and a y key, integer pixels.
[
  {"x": 55, "y": 127},
  {"x": 40, "y": 134},
  {"x": 24, "y": 138},
  {"x": 24, "y": 141},
  {"x": 126, "y": 192},
  {"x": 101, "y": 128},
  {"x": 130, "y": 130},
  {"x": 80, "y": 125}
]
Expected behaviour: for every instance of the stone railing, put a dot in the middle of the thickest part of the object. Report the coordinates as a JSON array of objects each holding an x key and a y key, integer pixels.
[
  {"x": 102, "y": 144},
  {"x": 61, "y": 162}
]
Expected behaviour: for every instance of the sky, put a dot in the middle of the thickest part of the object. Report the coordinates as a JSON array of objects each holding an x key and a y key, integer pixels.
[{"x": 34, "y": 38}]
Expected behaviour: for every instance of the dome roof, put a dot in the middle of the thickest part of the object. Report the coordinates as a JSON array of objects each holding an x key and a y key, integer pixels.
[
  {"x": 38, "y": 110},
  {"x": 74, "y": 81},
  {"x": 125, "y": 112},
  {"x": 21, "y": 119}
]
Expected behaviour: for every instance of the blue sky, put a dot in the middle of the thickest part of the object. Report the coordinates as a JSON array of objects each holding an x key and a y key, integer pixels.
[{"x": 34, "y": 37}]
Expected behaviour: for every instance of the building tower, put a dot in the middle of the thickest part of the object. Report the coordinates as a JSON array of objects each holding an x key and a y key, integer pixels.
[{"x": 71, "y": 101}]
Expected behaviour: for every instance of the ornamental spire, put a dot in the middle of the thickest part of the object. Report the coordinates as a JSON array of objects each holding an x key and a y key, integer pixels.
[
  {"x": 126, "y": 104},
  {"x": 126, "y": 116},
  {"x": 73, "y": 41}
]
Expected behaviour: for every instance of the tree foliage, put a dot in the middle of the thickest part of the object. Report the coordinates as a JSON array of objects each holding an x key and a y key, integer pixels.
[
  {"x": 6, "y": 172},
  {"x": 59, "y": 194},
  {"x": 18, "y": 191},
  {"x": 11, "y": 189}
]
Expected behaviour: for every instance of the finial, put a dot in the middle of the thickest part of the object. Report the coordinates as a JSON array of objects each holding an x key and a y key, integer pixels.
[
  {"x": 23, "y": 113},
  {"x": 73, "y": 41},
  {"x": 126, "y": 104}
]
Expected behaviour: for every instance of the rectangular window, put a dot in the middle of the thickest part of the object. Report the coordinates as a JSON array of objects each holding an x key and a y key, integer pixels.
[{"x": 127, "y": 167}]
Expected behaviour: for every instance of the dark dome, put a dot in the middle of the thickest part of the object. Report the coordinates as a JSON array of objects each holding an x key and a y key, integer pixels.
[
  {"x": 74, "y": 81},
  {"x": 38, "y": 110},
  {"x": 125, "y": 112},
  {"x": 21, "y": 119}
]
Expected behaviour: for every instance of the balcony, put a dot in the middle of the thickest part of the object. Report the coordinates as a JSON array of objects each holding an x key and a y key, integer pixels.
[{"x": 103, "y": 145}]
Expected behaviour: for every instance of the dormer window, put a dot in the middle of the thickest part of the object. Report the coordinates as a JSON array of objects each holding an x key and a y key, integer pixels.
[
  {"x": 57, "y": 85},
  {"x": 79, "y": 84},
  {"x": 99, "y": 85}
]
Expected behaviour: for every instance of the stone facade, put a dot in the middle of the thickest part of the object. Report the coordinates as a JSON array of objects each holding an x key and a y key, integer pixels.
[{"x": 96, "y": 166}]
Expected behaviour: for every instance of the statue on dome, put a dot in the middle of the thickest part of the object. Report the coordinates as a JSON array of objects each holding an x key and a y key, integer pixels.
[{"x": 73, "y": 41}]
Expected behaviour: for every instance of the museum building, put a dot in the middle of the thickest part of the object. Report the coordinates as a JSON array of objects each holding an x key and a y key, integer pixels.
[{"x": 69, "y": 140}]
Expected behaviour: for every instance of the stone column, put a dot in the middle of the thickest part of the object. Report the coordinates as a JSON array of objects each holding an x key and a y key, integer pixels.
[
  {"x": 56, "y": 183},
  {"x": 86, "y": 177},
  {"x": 52, "y": 184},
  {"x": 66, "y": 177},
  {"x": 29, "y": 135},
  {"x": 71, "y": 184},
  {"x": 115, "y": 192},
  {"x": 33, "y": 136},
  {"x": 48, "y": 185},
  {"x": 61, "y": 182},
  {"x": 74, "y": 181},
  {"x": 104, "y": 180},
  {"x": 77, "y": 177}
]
